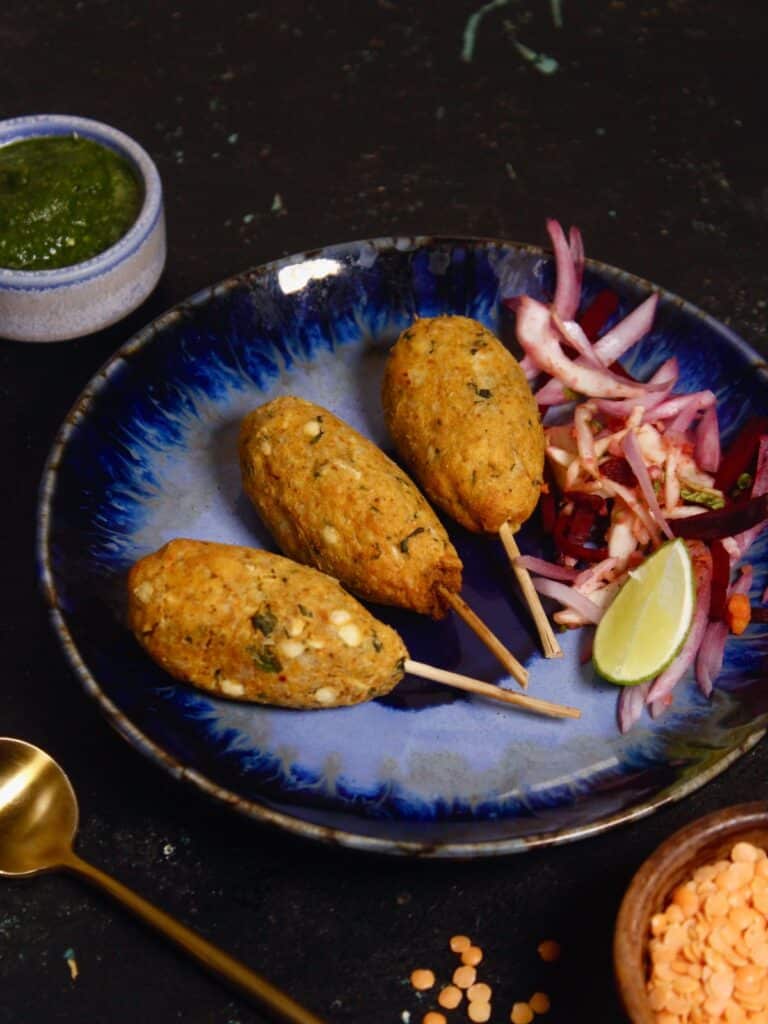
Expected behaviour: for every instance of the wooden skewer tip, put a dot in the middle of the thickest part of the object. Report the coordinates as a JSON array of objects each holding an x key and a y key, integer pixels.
[
  {"x": 491, "y": 641},
  {"x": 549, "y": 643},
  {"x": 483, "y": 689}
]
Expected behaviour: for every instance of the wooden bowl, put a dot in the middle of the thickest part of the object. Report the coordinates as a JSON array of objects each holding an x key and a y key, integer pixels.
[{"x": 708, "y": 839}]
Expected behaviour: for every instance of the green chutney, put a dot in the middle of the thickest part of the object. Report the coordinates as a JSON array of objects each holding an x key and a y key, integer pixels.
[{"x": 63, "y": 199}]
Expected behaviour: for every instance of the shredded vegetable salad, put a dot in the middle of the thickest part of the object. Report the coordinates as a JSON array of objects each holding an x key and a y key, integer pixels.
[{"x": 631, "y": 464}]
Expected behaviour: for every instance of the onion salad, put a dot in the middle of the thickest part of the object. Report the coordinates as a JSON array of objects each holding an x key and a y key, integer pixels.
[{"x": 630, "y": 465}]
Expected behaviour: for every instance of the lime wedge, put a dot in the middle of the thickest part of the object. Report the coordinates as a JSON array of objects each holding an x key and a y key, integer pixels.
[{"x": 647, "y": 622}]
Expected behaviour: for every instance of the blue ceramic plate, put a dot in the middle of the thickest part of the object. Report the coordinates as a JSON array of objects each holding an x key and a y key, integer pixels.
[{"x": 149, "y": 453}]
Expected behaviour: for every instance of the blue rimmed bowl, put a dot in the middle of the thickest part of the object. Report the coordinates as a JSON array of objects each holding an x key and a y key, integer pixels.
[
  {"x": 149, "y": 452},
  {"x": 54, "y": 305}
]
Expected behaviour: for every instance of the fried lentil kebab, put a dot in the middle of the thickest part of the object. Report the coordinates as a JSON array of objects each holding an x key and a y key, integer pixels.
[
  {"x": 255, "y": 626},
  {"x": 333, "y": 500},
  {"x": 465, "y": 422}
]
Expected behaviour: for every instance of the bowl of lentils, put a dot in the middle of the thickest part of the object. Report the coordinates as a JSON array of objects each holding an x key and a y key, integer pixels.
[{"x": 691, "y": 936}]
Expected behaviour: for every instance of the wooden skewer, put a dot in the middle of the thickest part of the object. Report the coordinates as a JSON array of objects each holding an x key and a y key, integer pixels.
[
  {"x": 521, "y": 700},
  {"x": 491, "y": 641},
  {"x": 548, "y": 639}
]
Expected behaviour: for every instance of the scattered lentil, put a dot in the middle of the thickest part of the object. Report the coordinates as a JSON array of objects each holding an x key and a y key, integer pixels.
[
  {"x": 479, "y": 992},
  {"x": 539, "y": 1002},
  {"x": 464, "y": 976},
  {"x": 549, "y": 950},
  {"x": 721, "y": 976},
  {"x": 479, "y": 1012},
  {"x": 521, "y": 1014},
  {"x": 450, "y": 997},
  {"x": 422, "y": 979}
]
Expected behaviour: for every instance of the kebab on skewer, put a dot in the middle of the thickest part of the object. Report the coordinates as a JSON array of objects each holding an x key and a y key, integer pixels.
[
  {"x": 250, "y": 625},
  {"x": 463, "y": 419},
  {"x": 333, "y": 500}
]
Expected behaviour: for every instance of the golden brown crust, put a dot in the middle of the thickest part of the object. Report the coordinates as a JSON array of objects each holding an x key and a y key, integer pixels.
[
  {"x": 333, "y": 500},
  {"x": 254, "y": 626},
  {"x": 464, "y": 420}
]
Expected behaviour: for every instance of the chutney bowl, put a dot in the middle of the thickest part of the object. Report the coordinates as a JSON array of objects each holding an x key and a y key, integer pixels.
[
  {"x": 703, "y": 841},
  {"x": 69, "y": 302}
]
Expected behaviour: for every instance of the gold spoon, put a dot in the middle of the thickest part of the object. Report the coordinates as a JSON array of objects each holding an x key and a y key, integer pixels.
[{"x": 38, "y": 822}]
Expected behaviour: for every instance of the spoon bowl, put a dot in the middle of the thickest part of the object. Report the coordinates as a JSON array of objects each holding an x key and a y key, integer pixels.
[
  {"x": 38, "y": 822},
  {"x": 38, "y": 810}
]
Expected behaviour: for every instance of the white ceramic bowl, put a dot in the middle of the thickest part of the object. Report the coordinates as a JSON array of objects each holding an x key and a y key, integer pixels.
[{"x": 53, "y": 305}]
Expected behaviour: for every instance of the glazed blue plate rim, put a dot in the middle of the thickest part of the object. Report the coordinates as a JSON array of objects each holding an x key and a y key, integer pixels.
[{"x": 253, "y": 808}]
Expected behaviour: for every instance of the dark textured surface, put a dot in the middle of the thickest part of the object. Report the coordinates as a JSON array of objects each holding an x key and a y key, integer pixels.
[{"x": 362, "y": 117}]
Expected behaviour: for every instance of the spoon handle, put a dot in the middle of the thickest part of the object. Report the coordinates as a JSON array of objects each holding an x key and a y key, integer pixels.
[{"x": 210, "y": 956}]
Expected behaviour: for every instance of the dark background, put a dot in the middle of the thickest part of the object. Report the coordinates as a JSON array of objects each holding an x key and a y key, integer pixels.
[{"x": 363, "y": 118}]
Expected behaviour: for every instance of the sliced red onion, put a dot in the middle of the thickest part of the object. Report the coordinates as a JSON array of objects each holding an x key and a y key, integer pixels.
[
  {"x": 630, "y": 705},
  {"x": 679, "y": 403},
  {"x": 551, "y": 570},
  {"x": 658, "y": 707},
  {"x": 569, "y": 597},
  {"x": 635, "y": 459},
  {"x": 553, "y": 392},
  {"x": 596, "y": 574},
  {"x": 527, "y": 365},
  {"x": 708, "y": 441},
  {"x": 667, "y": 374},
  {"x": 635, "y": 506},
  {"x": 574, "y": 336},
  {"x": 685, "y": 512},
  {"x": 529, "y": 368},
  {"x": 760, "y": 483},
  {"x": 626, "y": 332},
  {"x": 685, "y": 417},
  {"x": 539, "y": 339},
  {"x": 659, "y": 385},
  {"x": 567, "y": 286},
  {"x": 709, "y": 660},
  {"x": 712, "y": 649},
  {"x": 744, "y": 583},
  {"x": 585, "y": 439},
  {"x": 671, "y": 480},
  {"x": 764, "y": 598},
  {"x": 576, "y": 245},
  {"x": 673, "y": 673}
]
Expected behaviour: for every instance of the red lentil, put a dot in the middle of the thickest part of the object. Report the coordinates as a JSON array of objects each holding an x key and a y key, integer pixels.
[
  {"x": 422, "y": 979},
  {"x": 450, "y": 997},
  {"x": 479, "y": 1011},
  {"x": 539, "y": 1002},
  {"x": 479, "y": 992},
  {"x": 472, "y": 955},
  {"x": 521, "y": 1014},
  {"x": 549, "y": 950},
  {"x": 464, "y": 976}
]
